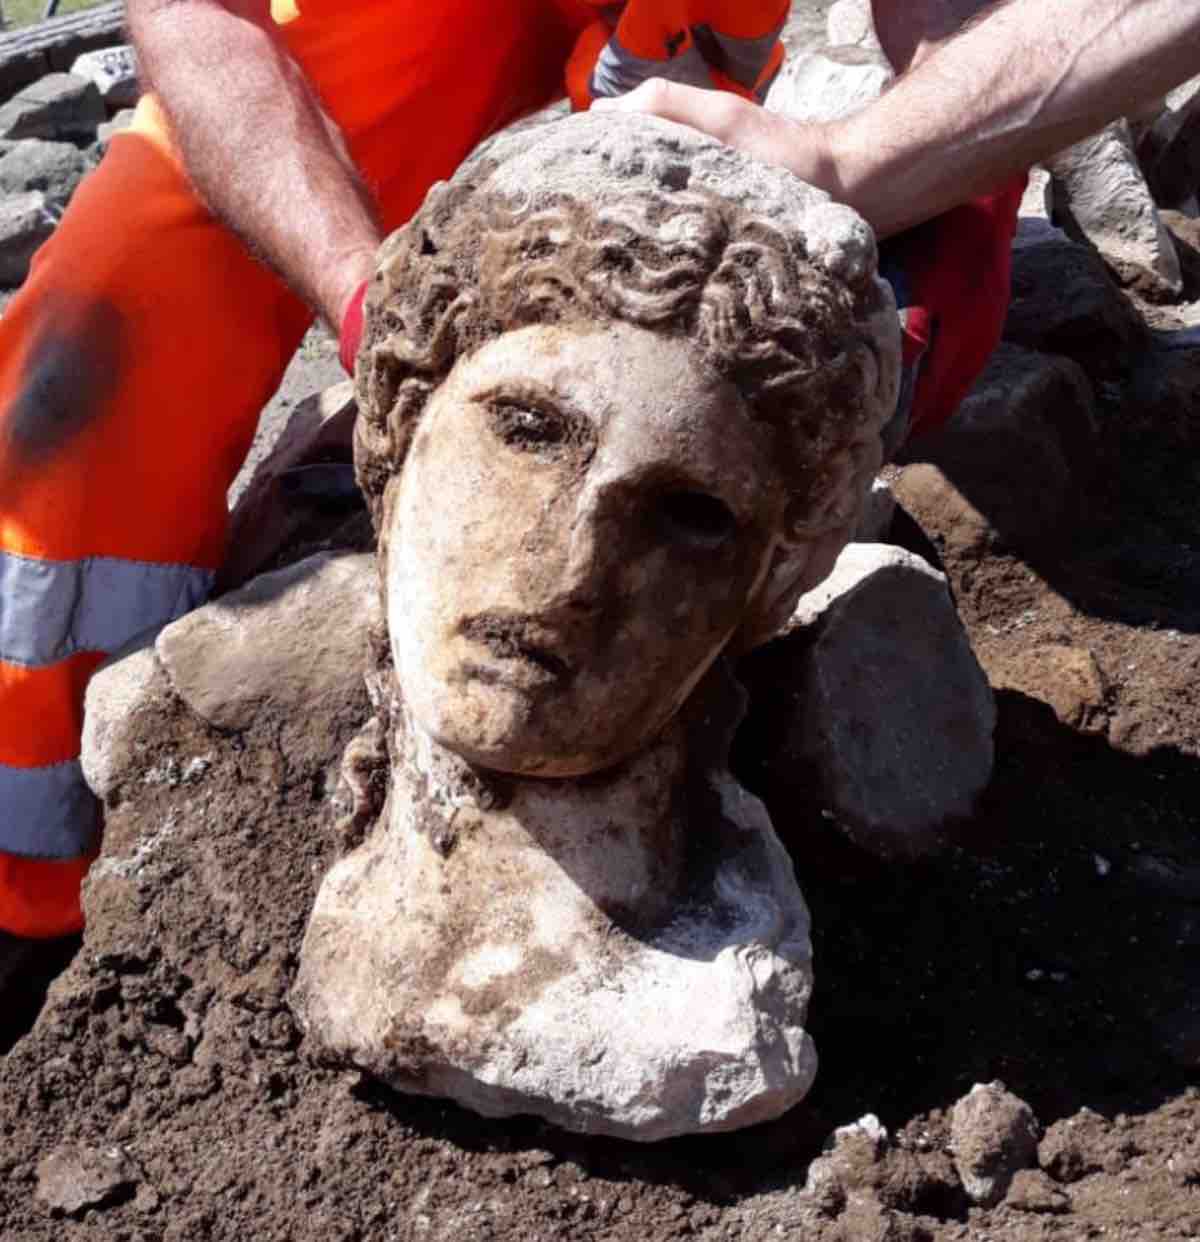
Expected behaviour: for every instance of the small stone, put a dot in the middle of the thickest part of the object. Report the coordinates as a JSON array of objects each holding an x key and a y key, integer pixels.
[
  {"x": 895, "y": 714},
  {"x": 74, "y": 1178},
  {"x": 109, "y": 130},
  {"x": 1032, "y": 1191},
  {"x": 58, "y": 106},
  {"x": 829, "y": 84},
  {"x": 54, "y": 168},
  {"x": 1100, "y": 196},
  {"x": 1183, "y": 94},
  {"x": 867, "y": 1127},
  {"x": 1074, "y": 1147},
  {"x": 993, "y": 1134},
  {"x": 147, "y": 1199},
  {"x": 1066, "y": 678},
  {"x": 26, "y": 221},
  {"x": 850, "y": 1162},
  {"x": 866, "y": 1220},
  {"x": 1035, "y": 202},
  {"x": 114, "y": 71},
  {"x": 860, "y": 1161},
  {"x": 849, "y": 22},
  {"x": 118, "y": 690}
]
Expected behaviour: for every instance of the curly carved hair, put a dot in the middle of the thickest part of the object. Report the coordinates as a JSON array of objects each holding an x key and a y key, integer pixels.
[
  {"x": 694, "y": 241},
  {"x": 797, "y": 333}
]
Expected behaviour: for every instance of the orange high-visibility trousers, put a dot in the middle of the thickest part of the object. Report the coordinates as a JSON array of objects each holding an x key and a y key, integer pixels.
[
  {"x": 134, "y": 364},
  {"x": 732, "y": 45}
]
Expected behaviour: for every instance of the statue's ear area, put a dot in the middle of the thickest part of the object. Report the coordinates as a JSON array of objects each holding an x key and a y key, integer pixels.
[{"x": 797, "y": 568}]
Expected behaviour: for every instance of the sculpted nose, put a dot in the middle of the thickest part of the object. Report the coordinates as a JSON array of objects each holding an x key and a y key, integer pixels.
[{"x": 593, "y": 548}]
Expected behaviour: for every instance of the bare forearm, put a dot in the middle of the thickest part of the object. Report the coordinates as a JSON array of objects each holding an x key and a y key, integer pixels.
[
  {"x": 1023, "y": 80},
  {"x": 256, "y": 143},
  {"x": 1027, "y": 79}
]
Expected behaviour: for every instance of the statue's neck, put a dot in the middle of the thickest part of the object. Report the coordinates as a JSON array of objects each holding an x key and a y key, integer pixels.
[{"x": 616, "y": 836}]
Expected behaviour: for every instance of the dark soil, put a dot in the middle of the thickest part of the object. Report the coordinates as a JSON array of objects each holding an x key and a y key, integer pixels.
[{"x": 1052, "y": 943}]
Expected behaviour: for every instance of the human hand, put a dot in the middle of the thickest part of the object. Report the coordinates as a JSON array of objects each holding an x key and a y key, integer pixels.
[{"x": 804, "y": 149}]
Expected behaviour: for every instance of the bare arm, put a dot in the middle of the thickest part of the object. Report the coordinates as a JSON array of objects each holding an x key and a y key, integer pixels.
[
  {"x": 1025, "y": 80},
  {"x": 259, "y": 148}
]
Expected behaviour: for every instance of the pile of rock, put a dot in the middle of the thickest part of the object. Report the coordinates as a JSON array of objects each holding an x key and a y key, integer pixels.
[
  {"x": 52, "y": 132},
  {"x": 993, "y": 1152}
]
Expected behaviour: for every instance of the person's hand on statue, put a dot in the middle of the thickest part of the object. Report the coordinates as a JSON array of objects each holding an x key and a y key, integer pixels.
[
  {"x": 806, "y": 150},
  {"x": 1018, "y": 84}
]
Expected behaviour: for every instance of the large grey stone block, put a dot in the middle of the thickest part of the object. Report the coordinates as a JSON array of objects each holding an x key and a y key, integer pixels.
[
  {"x": 226, "y": 663},
  {"x": 894, "y": 713},
  {"x": 26, "y": 220},
  {"x": 1101, "y": 196},
  {"x": 58, "y": 106},
  {"x": 54, "y": 168}
]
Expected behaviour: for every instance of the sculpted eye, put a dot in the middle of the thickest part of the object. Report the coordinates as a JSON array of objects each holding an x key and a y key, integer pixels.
[
  {"x": 696, "y": 518},
  {"x": 527, "y": 428}
]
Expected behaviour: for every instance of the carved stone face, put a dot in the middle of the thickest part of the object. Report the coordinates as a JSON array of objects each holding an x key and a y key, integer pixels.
[{"x": 582, "y": 518}]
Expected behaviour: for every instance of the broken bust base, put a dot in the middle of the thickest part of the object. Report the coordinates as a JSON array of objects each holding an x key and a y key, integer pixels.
[{"x": 626, "y": 955}]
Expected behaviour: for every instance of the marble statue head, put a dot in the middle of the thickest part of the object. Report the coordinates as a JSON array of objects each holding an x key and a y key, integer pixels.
[
  {"x": 621, "y": 391},
  {"x": 620, "y": 396}
]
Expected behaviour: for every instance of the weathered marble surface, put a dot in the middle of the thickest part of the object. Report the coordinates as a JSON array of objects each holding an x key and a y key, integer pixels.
[{"x": 620, "y": 395}]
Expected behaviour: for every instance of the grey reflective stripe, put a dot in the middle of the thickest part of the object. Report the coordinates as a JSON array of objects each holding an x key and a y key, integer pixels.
[
  {"x": 618, "y": 71},
  {"x": 47, "y": 812},
  {"x": 49, "y": 610},
  {"x": 740, "y": 59}
]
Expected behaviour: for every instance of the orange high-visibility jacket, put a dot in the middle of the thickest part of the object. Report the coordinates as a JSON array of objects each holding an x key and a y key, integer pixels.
[
  {"x": 135, "y": 360},
  {"x": 729, "y": 44}
]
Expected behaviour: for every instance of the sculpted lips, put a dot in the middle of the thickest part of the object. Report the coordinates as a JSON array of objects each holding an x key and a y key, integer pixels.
[{"x": 513, "y": 637}]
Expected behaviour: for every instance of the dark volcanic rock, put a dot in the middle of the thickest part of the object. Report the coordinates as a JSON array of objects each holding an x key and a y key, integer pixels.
[
  {"x": 1010, "y": 468},
  {"x": 1065, "y": 302}
]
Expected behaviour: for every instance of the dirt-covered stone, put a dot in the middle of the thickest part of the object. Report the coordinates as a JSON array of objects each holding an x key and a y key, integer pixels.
[
  {"x": 72, "y": 1178},
  {"x": 994, "y": 1134}
]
